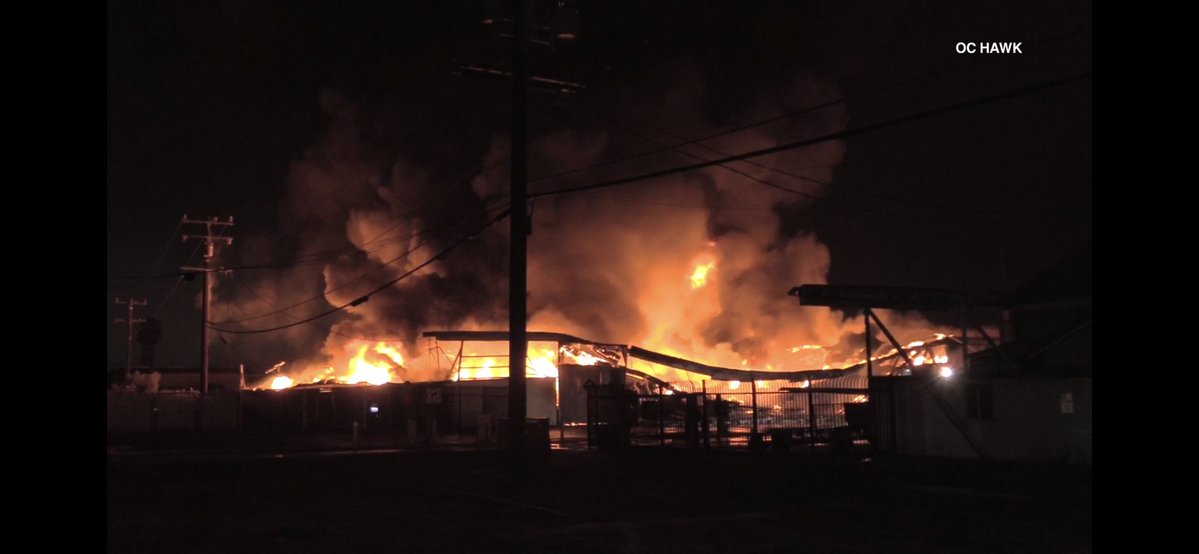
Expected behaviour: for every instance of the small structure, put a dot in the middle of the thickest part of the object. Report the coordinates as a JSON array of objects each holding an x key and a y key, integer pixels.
[{"x": 1027, "y": 398}]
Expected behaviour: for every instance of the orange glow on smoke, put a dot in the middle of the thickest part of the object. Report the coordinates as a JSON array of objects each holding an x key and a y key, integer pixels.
[{"x": 732, "y": 325}]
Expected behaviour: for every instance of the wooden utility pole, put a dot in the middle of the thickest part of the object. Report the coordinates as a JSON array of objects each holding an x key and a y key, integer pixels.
[
  {"x": 209, "y": 252},
  {"x": 518, "y": 343},
  {"x": 563, "y": 29},
  {"x": 132, "y": 302}
]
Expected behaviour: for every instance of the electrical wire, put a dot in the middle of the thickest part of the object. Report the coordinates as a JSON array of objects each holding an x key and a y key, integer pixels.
[
  {"x": 819, "y": 139},
  {"x": 794, "y": 113},
  {"x": 367, "y": 296}
]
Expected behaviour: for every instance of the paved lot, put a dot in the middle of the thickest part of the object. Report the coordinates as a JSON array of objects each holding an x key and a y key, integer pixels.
[{"x": 646, "y": 500}]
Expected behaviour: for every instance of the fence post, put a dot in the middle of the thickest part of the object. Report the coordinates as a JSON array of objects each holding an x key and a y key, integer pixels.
[
  {"x": 811, "y": 420},
  {"x": 753, "y": 393},
  {"x": 691, "y": 420},
  {"x": 722, "y": 423},
  {"x": 661, "y": 421},
  {"x": 706, "y": 426}
]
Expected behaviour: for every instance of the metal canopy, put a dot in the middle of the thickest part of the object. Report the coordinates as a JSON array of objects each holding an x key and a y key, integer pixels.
[{"x": 893, "y": 298}]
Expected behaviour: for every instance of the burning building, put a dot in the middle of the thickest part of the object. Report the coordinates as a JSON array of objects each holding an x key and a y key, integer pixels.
[
  {"x": 570, "y": 379},
  {"x": 691, "y": 266}
]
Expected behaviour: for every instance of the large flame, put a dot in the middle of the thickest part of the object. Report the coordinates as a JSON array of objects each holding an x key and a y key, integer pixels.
[
  {"x": 638, "y": 267},
  {"x": 371, "y": 363},
  {"x": 375, "y": 373},
  {"x": 376, "y": 363},
  {"x": 540, "y": 363}
]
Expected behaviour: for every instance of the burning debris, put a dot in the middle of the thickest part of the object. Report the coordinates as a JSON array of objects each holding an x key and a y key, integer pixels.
[
  {"x": 373, "y": 364},
  {"x": 693, "y": 266}
]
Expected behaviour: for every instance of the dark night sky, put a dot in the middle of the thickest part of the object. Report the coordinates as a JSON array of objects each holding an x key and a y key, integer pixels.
[{"x": 209, "y": 104}]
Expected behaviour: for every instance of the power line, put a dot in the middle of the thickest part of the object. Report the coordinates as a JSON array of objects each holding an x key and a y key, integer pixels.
[
  {"x": 180, "y": 278},
  {"x": 823, "y": 138},
  {"x": 815, "y": 198},
  {"x": 369, "y": 246},
  {"x": 167, "y": 296},
  {"x": 165, "y": 248},
  {"x": 324, "y": 293},
  {"x": 310, "y": 259},
  {"x": 364, "y": 298},
  {"x": 284, "y": 310},
  {"x": 921, "y": 202},
  {"x": 790, "y": 114},
  {"x": 323, "y": 257},
  {"x": 747, "y": 155}
]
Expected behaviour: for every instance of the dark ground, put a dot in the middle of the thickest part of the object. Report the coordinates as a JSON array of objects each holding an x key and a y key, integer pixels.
[{"x": 643, "y": 500}]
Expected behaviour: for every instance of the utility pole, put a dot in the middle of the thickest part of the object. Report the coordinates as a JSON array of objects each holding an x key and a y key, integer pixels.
[
  {"x": 209, "y": 251},
  {"x": 518, "y": 343},
  {"x": 132, "y": 302},
  {"x": 562, "y": 29}
]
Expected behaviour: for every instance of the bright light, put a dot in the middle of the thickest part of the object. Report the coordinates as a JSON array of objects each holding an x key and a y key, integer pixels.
[
  {"x": 734, "y": 385},
  {"x": 946, "y": 372},
  {"x": 699, "y": 277}
]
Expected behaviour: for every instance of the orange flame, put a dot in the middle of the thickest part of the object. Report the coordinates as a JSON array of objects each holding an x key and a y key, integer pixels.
[
  {"x": 699, "y": 277},
  {"x": 377, "y": 372},
  {"x": 542, "y": 365},
  {"x": 539, "y": 363},
  {"x": 806, "y": 347}
]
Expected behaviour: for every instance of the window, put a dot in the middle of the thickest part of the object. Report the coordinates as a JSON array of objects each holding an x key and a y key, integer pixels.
[
  {"x": 978, "y": 402},
  {"x": 1067, "y": 403}
]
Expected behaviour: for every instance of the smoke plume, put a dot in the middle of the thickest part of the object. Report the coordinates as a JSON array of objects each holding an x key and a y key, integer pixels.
[{"x": 693, "y": 264}]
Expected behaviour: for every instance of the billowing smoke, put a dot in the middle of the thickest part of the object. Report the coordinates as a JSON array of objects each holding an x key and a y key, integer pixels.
[{"x": 693, "y": 264}]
